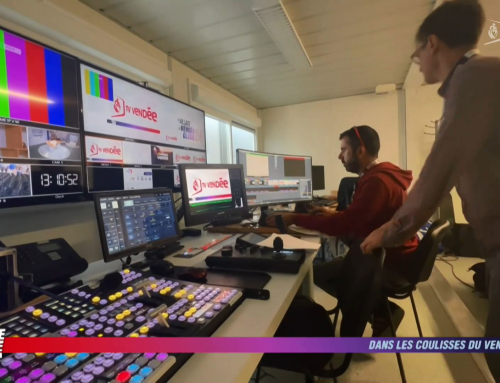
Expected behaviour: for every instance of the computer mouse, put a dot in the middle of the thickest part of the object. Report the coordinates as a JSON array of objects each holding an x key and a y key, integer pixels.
[
  {"x": 162, "y": 268},
  {"x": 194, "y": 274}
]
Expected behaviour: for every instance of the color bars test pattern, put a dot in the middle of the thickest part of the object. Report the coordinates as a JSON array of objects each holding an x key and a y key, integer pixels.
[
  {"x": 36, "y": 84},
  {"x": 98, "y": 85}
]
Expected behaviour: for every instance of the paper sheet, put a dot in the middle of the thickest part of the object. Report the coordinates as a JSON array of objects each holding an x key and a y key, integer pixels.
[{"x": 289, "y": 242}]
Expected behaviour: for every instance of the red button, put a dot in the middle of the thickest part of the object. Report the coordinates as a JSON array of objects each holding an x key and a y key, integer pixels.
[{"x": 123, "y": 376}]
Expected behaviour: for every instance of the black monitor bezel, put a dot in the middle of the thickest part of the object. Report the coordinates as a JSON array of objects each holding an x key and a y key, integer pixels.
[
  {"x": 323, "y": 178},
  {"x": 199, "y": 219},
  {"x": 274, "y": 203},
  {"x": 84, "y": 133},
  {"x": 136, "y": 250},
  {"x": 53, "y": 199}
]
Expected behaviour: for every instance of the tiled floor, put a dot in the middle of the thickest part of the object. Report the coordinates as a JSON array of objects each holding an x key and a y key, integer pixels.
[{"x": 442, "y": 368}]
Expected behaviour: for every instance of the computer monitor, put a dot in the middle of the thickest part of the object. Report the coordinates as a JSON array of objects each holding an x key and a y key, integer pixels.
[
  {"x": 318, "y": 177},
  {"x": 134, "y": 221},
  {"x": 272, "y": 179},
  {"x": 135, "y": 136},
  {"x": 40, "y": 143},
  {"x": 213, "y": 194}
]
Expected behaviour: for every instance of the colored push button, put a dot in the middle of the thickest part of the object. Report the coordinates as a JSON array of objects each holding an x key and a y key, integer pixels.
[
  {"x": 136, "y": 379},
  {"x": 120, "y": 317},
  {"x": 60, "y": 359},
  {"x": 164, "y": 315},
  {"x": 144, "y": 330},
  {"x": 100, "y": 335},
  {"x": 70, "y": 354},
  {"x": 190, "y": 297},
  {"x": 118, "y": 295},
  {"x": 145, "y": 371},
  {"x": 163, "y": 292},
  {"x": 154, "y": 286},
  {"x": 126, "y": 313},
  {"x": 112, "y": 298},
  {"x": 37, "y": 313},
  {"x": 130, "y": 289},
  {"x": 192, "y": 310},
  {"x": 96, "y": 300},
  {"x": 123, "y": 376},
  {"x": 15, "y": 365},
  {"x": 37, "y": 373},
  {"x": 178, "y": 295},
  {"x": 47, "y": 378},
  {"x": 82, "y": 356},
  {"x": 182, "y": 292},
  {"x": 134, "y": 335},
  {"x": 3, "y": 372},
  {"x": 126, "y": 271},
  {"x": 187, "y": 314},
  {"x": 133, "y": 368},
  {"x": 39, "y": 354},
  {"x": 71, "y": 363}
]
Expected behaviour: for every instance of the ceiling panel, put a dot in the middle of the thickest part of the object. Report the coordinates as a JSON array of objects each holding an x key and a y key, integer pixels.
[{"x": 354, "y": 45}]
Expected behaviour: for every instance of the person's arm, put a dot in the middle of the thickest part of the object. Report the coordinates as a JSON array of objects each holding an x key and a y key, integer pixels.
[
  {"x": 358, "y": 219},
  {"x": 471, "y": 115}
]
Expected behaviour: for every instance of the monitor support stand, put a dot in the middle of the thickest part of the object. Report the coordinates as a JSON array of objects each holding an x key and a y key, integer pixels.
[{"x": 156, "y": 253}]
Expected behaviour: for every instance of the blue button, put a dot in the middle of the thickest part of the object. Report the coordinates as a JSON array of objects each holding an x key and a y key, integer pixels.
[
  {"x": 60, "y": 359},
  {"x": 136, "y": 379},
  {"x": 81, "y": 357},
  {"x": 133, "y": 368},
  {"x": 146, "y": 371},
  {"x": 71, "y": 363}
]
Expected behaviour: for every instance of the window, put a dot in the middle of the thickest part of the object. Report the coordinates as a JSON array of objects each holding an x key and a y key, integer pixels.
[
  {"x": 218, "y": 141},
  {"x": 243, "y": 138}
]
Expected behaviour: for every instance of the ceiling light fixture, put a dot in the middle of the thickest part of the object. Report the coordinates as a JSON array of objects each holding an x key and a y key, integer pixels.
[{"x": 274, "y": 18}]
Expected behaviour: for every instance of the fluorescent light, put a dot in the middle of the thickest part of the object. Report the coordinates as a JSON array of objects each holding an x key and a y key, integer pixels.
[{"x": 273, "y": 16}]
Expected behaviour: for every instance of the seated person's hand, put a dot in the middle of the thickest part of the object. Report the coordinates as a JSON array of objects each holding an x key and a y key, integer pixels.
[
  {"x": 333, "y": 196},
  {"x": 323, "y": 210},
  {"x": 287, "y": 219}
]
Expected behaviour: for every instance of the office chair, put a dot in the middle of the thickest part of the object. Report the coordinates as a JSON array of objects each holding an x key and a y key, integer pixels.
[
  {"x": 399, "y": 287},
  {"x": 359, "y": 290},
  {"x": 345, "y": 192}
]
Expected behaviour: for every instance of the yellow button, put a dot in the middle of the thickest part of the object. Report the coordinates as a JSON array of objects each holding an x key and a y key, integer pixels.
[
  {"x": 187, "y": 314},
  {"x": 112, "y": 298},
  {"x": 140, "y": 292},
  {"x": 144, "y": 330},
  {"x": 126, "y": 313},
  {"x": 164, "y": 315},
  {"x": 96, "y": 300},
  {"x": 120, "y": 317},
  {"x": 168, "y": 289},
  {"x": 82, "y": 329},
  {"x": 192, "y": 310},
  {"x": 134, "y": 335},
  {"x": 118, "y": 295},
  {"x": 126, "y": 271},
  {"x": 190, "y": 297},
  {"x": 15, "y": 336},
  {"x": 39, "y": 354},
  {"x": 100, "y": 335},
  {"x": 163, "y": 292},
  {"x": 37, "y": 313},
  {"x": 154, "y": 286},
  {"x": 70, "y": 354},
  {"x": 182, "y": 292},
  {"x": 130, "y": 289},
  {"x": 178, "y": 295}
]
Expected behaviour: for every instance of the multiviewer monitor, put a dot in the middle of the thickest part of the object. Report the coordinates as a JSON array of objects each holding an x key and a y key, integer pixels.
[
  {"x": 135, "y": 137},
  {"x": 318, "y": 177},
  {"x": 213, "y": 193},
  {"x": 276, "y": 178},
  {"x": 40, "y": 143},
  {"x": 134, "y": 221}
]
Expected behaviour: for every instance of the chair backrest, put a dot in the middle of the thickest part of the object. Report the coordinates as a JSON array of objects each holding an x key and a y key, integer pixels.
[
  {"x": 427, "y": 251},
  {"x": 346, "y": 189},
  {"x": 358, "y": 289}
]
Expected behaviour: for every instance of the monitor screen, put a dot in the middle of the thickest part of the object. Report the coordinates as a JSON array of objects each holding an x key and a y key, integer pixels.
[
  {"x": 212, "y": 191},
  {"x": 133, "y": 221},
  {"x": 318, "y": 177},
  {"x": 40, "y": 153},
  {"x": 276, "y": 178},
  {"x": 135, "y": 137}
]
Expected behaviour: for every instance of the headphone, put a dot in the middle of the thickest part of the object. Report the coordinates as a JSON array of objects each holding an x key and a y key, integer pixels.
[{"x": 359, "y": 136}]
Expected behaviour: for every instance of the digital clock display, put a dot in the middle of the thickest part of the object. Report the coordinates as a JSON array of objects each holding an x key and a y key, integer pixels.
[{"x": 47, "y": 180}]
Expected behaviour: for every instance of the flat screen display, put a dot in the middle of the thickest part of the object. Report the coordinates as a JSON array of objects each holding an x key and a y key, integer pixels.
[
  {"x": 40, "y": 142},
  {"x": 276, "y": 178},
  {"x": 136, "y": 137},
  {"x": 131, "y": 221}
]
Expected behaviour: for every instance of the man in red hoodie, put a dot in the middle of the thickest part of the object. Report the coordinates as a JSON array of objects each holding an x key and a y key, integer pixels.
[{"x": 379, "y": 193}]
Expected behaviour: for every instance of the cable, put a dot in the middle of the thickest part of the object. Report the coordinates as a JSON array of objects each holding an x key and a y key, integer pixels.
[{"x": 453, "y": 269}]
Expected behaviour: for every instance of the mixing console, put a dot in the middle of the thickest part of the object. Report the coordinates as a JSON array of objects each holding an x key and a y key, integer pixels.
[{"x": 144, "y": 305}]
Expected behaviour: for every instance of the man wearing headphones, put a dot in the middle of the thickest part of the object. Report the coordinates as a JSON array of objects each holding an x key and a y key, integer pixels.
[{"x": 379, "y": 193}]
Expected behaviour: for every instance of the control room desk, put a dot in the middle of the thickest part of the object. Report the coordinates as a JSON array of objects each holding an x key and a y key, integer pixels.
[{"x": 253, "y": 318}]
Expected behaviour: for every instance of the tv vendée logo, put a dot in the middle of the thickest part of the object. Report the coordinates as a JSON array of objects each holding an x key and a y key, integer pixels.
[{"x": 2, "y": 336}]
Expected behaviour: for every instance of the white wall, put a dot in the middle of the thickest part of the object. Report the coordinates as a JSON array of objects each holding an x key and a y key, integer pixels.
[
  {"x": 70, "y": 26},
  {"x": 313, "y": 129}
]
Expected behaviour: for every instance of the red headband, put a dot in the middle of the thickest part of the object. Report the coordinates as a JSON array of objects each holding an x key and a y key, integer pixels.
[{"x": 359, "y": 136}]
